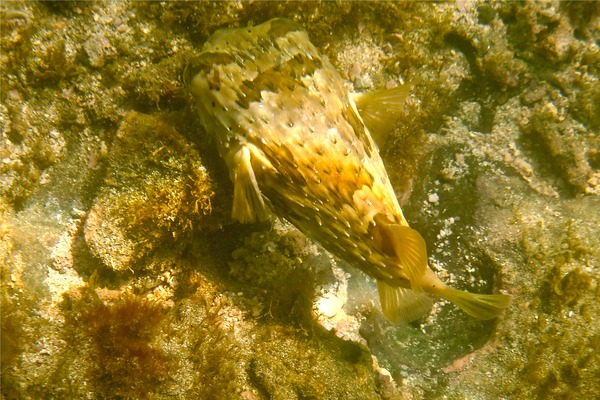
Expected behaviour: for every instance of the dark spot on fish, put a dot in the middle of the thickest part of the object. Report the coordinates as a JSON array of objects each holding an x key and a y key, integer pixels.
[
  {"x": 212, "y": 103},
  {"x": 248, "y": 90},
  {"x": 358, "y": 127},
  {"x": 285, "y": 75},
  {"x": 268, "y": 85},
  {"x": 242, "y": 102},
  {"x": 214, "y": 80}
]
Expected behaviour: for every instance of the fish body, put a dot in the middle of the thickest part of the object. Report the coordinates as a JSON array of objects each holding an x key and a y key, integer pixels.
[{"x": 296, "y": 144}]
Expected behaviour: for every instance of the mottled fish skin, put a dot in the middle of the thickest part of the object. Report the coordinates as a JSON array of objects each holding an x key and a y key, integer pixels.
[
  {"x": 268, "y": 88},
  {"x": 295, "y": 143}
]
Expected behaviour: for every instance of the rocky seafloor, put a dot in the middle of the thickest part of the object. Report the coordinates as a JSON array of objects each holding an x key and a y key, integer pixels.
[{"x": 123, "y": 275}]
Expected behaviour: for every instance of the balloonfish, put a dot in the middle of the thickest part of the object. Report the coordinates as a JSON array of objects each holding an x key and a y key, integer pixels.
[{"x": 297, "y": 143}]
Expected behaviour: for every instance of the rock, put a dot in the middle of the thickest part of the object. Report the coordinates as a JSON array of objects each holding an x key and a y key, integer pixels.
[
  {"x": 99, "y": 50},
  {"x": 156, "y": 192}
]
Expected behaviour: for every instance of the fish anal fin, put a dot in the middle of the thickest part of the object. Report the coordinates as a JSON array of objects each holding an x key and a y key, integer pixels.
[
  {"x": 248, "y": 203},
  {"x": 408, "y": 247},
  {"x": 380, "y": 110},
  {"x": 400, "y": 305}
]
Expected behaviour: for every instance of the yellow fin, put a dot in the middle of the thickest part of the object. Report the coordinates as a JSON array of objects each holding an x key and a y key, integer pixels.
[
  {"x": 380, "y": 110},
  {"x": 248, "y": 203},
  {"x": 480, "y": 306},
  {"x": 409, "y": 248},
  {"x": 401, "y": 305}
]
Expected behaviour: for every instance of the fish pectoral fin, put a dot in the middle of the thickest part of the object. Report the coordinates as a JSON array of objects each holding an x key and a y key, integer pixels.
[
  {"x": 408, "y": 247},
  {"x": 401, "y": 305},
  {"x": 380, "y": 109},
  {"x": 248, "y": 203}
]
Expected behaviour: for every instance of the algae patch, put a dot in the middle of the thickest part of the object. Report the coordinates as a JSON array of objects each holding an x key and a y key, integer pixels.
[{"x": 156, "y": 192}]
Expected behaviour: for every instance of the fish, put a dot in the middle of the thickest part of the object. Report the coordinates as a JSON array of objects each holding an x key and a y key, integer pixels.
[{"x": 298, "y": 144}]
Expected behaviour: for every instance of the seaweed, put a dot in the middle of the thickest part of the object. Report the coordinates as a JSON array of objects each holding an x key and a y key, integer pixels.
[{"x": 121, "y": 333}]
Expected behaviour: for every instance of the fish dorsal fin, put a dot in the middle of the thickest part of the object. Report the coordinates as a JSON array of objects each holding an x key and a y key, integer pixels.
[
  {"x": 401, "y": 305},
  {"x": 380, "y": 110},
  {"x": 248, "y": 203},
  {"x": 408, "y": 247}
]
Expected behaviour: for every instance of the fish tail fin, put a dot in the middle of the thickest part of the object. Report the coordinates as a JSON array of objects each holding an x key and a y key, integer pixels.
[
  {"x": 401, "y": 305},
  {"x": 480, "y": 306},
  {"x": 410, "y": 250}
]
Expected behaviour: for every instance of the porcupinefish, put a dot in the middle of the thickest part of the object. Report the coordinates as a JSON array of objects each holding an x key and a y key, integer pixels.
[{"x": 295, "y": 143}]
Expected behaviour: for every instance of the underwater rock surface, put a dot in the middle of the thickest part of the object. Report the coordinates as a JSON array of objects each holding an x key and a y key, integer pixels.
[{"x": 123, "y": 275}]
